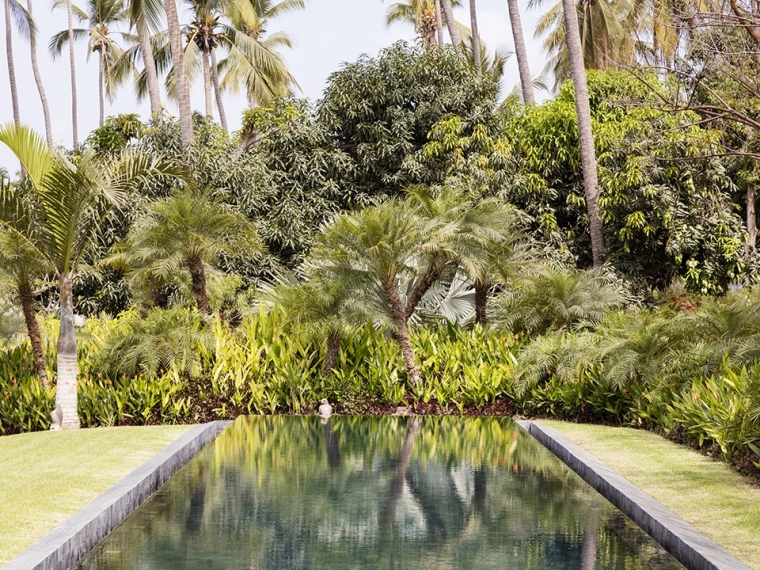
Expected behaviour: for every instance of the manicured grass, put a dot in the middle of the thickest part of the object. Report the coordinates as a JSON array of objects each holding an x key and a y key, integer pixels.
[
  {"x": 707, "y": 494},
  {"x": 48, "y": 476}
]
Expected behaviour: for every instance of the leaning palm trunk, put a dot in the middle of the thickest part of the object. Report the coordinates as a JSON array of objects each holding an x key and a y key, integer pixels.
[
  {"x": 66, "y": 390},
  {"x": 588, "y": 154},
  {"x": 438, "y": 23},
  {"x": 180, "y": 73},
  {"x": 101, "y": 97},
  {"x": 452, "y": 25},
  {"x": 30, "y": 318},
  {"x": 151, "y": 76},
  {"x": 207, "y": 86},
  {"x": 72, "y": 69},
  {"x": 38, "y": 81},
  {"x": 526, "y": 84},
  {"x": 475, "y": 37},
  {"x": 400, "y": 331},
  {"x": 11, "y": 67},
  {"x": 218, "y": 91}
]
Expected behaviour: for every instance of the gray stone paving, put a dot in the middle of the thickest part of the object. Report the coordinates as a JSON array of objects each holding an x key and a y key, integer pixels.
[
  {"x": 68, "y": 542},
  {"x": 683, "y": 541}
]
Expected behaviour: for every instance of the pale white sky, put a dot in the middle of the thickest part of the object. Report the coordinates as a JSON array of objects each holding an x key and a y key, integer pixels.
[{"x": 326, "y": 34}]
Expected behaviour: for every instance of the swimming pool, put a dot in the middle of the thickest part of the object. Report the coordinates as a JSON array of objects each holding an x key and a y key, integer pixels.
[{"x": 382, "y": 492}]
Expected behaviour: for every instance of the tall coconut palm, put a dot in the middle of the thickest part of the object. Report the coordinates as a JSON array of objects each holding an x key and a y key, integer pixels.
[
  {"x": 186, "y": 232},
  {"x": 456, "y": 39},
  {"x": 38, "y": 80},
  {"x": 420, "y": 13},
  {"x": 526, "y": 83},
  {"x": 23, "y": 265},
  {"x": 145, "y": 15},
  {"x": 475, "y": 37},
  {"x": 60, "y": 219},
  {"x": 585, "y": 134},
  {"x": 438, "y": 23},
  {"x": 100, "y": 17},
  {"x": 180, "y": 73},
  {"x": 15, "y": 11},
  {"x": 253, "y": 61}
]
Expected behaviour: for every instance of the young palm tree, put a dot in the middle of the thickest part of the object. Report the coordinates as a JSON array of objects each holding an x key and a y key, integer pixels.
[
  {"x": 15, "y": 11},
  {"x": 60, "y": 219},
  {"x": 100, "y": 16},
  {"x": 23, "y": 265},
  {"x": 186, "y": 232},
  {"x": 526, "y": 83}
]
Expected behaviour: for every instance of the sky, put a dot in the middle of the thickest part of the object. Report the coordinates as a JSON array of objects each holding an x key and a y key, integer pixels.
[{"x": 327, "y": 34}]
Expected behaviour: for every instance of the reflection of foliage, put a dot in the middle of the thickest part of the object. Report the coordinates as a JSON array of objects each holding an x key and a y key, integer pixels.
[{"x": 282, "y": 492}]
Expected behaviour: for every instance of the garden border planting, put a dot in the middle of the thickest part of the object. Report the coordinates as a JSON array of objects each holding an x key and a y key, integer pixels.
[
  {"x": 67, "y": 543},
  {"x": 690, "y": 547}
]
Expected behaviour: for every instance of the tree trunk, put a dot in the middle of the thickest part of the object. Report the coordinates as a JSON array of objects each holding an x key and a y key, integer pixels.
[
  {"x": 218, "y": 91},
  {"x": 198, "y": 279},
  {"x": 583, "y": 111},
  {"x": 438, "y": 23},
  {"x": 397, "y": 483},
  {"x": 452, "y": 25},
  {"x": 66, "y": 390},
  {"x": 751, "y": 222},
  {"x": 11, "y": 67},
  {"x": 475, "y": 38},
  {"x": 38, "y": 81},
  {"x": 481, "y": 303},
  {"x": 180, "y": 73},
  {"x": 72, "y": 66},
  {"x": 101, "y": 86},
  {"x": 154, "y": 93},
  {"x": 331, "y": 357},
  {"x": 400, "y": 330},
  {"x": 432, "y": 275},
  {"x": 207, "y": 86},
  {"x": 33, "y": 329},
  {"x": 526, "y": 83},
  {"x": 588, "y": 552}
]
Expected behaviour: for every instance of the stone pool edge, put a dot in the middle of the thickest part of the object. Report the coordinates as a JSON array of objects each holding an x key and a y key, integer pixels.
[
  {"x": 67, "y": 543},
  {"x": 690, "y": 547}
]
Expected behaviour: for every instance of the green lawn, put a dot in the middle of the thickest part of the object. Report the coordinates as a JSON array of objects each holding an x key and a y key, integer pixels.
[
  {"x": 48, "y": 476},
  {"x": 715, "y": 500}
]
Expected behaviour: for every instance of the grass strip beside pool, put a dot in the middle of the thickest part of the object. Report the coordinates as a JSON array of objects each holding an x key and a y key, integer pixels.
[
  {"x": 48, "y": 476},
  {"x": 707, "y": 494}
]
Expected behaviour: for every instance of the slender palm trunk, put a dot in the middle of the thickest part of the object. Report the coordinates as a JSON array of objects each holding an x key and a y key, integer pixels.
[
  {"x": 218, "y": 91},
  {"x": 38, "y": 81},
  {"x": 451, "y": 23},
  {"x": 333, "y": 349},
  {"x": 396, "y": 489},
  {"x": 73, "y": 71},
  {"x": 400, "y": 330},
  {"x": 11, "y": 67},
  {"x": 588, "y": 154},
  {"x": 475, "y": 37},
  {"x": 33, "y": 329},
  {"x": 207, "y": 86},
  {"x": 66, "y": 389},
  {"x": 588, "y": 552},
  {"x": 198, "y": 280},
  {"x": 432, "y": 275},
  {"x": 180, "y": 73},
  {"x": 481, "y": 303},
  {"x": 526, "y": 84},
  {"x": 151, "y": 75},
  {"x": 751, "y": 221},
  {"x": 101, "y": 97},
  {"x": 438, "y": 23}
]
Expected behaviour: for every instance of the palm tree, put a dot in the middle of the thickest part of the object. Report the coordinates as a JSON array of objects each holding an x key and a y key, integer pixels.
[
  {"x": 14, "y": 10},
  {"x": 526, "y": 83},
  {"x": 438, "y": 23},
  {"x": 585, "y": 135},
  {"x": 180, "y": 73},
  {"x": 475, "y": 37},
  {"x": 422, "y": 14},
  {"x": 100, "y": 16},
  {"x": 59, "y": 220},
  {"x": 144, "y": 15},
  {"x": 448, "y": 12},
  {"x": 186, "y": 232},
  {"x": 252, "y": 59},
  {"x": 38, "y": 79},
  {"x": 23, "y": 264}
]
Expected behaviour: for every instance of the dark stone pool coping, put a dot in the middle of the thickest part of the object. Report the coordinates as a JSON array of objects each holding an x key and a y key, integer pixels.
[
  {"x": 63, "y": 546},
  {"x": 690, "y": 547}
]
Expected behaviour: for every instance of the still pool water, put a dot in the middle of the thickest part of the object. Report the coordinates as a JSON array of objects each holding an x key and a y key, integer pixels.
[{"x": 375, "y": 493}]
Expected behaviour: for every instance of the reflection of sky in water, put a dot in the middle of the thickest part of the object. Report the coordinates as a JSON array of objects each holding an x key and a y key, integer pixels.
[{"x": 444, "y": 493}]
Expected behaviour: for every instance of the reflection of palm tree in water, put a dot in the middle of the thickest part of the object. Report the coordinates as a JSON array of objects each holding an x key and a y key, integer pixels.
[
  {"x": 197, "y": 504},
  {"x": 588, "y": 553},
  {"x": 397, "y": 483},
  {"x": 331, "y": 443}
]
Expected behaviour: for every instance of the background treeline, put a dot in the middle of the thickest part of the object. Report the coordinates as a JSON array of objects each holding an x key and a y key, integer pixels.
[{"x": 406, "y": 239}]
